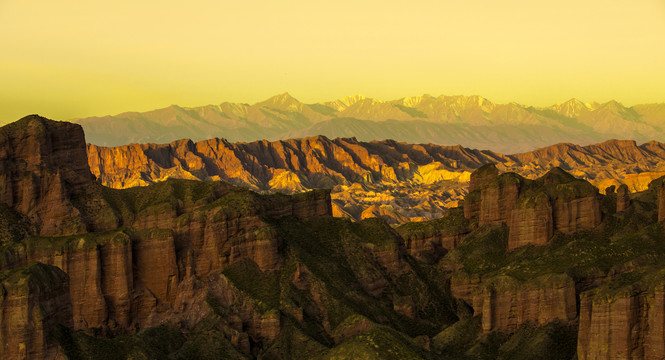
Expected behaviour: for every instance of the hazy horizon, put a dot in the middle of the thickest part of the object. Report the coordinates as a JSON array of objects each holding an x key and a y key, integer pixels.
[{"x": 75, "y": 59}]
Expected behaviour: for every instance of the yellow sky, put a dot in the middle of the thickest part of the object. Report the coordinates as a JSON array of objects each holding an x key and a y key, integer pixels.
[{"x": 70, "y": 58}]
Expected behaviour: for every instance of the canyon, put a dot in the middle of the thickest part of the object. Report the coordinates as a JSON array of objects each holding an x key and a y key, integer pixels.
[{"x": 534, "y": 264}]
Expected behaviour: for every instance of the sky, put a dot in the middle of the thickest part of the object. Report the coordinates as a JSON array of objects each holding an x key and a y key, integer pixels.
[{"x": 67, "y": 59}]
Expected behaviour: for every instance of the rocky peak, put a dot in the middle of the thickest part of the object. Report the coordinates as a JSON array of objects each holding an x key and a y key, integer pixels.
[
  {"x": 571, "y": 108},
  {"x": 34, "y": 141},
  {"x": 556, "y": 176},
  {"x": 483, "y": 175},
  {"x": 283, "y": 102},
  {"x": 44, "y": 175},
  {"x": 623, "y": 198}
]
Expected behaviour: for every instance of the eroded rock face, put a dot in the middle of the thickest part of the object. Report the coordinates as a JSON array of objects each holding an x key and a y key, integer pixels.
[
  {"x": 506, "y": 305},
  {"x": 628, "y": 326},
  {"x": 659, "y": 185},
  {"x": 430, "y": 248},
  {"x": 44, "y": 175},
  {"x": 34, "y": 300},
  {"x": 483, "y": 175},
  {"x": 576, "y": 214},
  {"x": 497, "y": 199},
  {"x": 142, "y": 275},
  {"x": 531, "y": 224},
  {"x": 534, "y": 209},
  {"x": 623, "y": 198},
  {"x": 121, "y": 281}
]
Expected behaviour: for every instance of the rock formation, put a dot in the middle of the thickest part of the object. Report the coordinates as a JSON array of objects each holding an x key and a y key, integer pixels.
[
  {"x": 533, "y": 209},
  {"x": 34, "y": 300},
  {"x": 531, "y": 223},
  {"x": 623, "y": 198},
  {"x": 505, "y": 304},
  {"x": 44, "y": 175},
  {"x": 127, "y": 279},
  {"x": 658, "y": 186},
  {"x": 429, "y": 241},
  {"x": 400, "y": 182},
  {"x": 623, "y": 324}
]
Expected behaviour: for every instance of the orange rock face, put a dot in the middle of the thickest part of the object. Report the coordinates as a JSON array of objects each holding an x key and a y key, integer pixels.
[
  {"x": 34, "y": 300},
  {"x": 623, "y": 198},
  {"x": 43, "y": 171},
  {"x": 507, "y": 306},
  {"x": 497, "y": 199},
  {"x": 629, "y": 326},
  {"x": 531, "y": 224},
  {"x": 576, "y": 214},
  {"x": 384, "y": 168},
  {"x": 660, "y": 191},
  {"x": 534, "y": 209},
  {"x": 131, "y": 278},
  {"x": 483, "y": 175}
]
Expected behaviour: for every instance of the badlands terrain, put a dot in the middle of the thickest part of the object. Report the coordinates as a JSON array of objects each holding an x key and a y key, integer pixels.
[{"x": 396, "y": 181}]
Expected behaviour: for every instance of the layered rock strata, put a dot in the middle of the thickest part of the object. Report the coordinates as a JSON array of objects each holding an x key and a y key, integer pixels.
[
  {"x": 506, "y": 304},
  {"x": 397, "y": 181},
  {"x": 34, "y": 300},
  {"x": 44, "y": 175},
  {"x": 126, "y": 279},
  {"x": 623, "y": 198},
  {"x": 623, "y": 324},
  {"x": 534, "y": 209}
]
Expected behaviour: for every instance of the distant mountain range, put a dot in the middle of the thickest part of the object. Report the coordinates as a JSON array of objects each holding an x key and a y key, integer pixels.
[{"x": 472, "y": 121}]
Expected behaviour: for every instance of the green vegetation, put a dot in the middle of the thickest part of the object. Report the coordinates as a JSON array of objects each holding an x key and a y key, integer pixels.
[
  {"x": 60, "y": 244},
  {"x": 154, "y": 343},
  {"x": 457, "y": 338},
  {"x": 336, "y": 252},
  {"x": 247, "y": 276},
  {"x": 293, "y": 343},
  {"x": 14, "y": 226},
  {"x": 208, "y": 341},
  {"x": 579, "y": 255},
  {"x": 486, "y": 170},
  {"x": 172, "y": 193},
  {"x": 554, "y": 341},
  {"x": 464, "y": 340},
  {"x": 452, "y": 223},
  {"x": 32, "y": 278},
  {"x": 644, "y": 279},
  {"x": 482, "y": 251},
  {"x": 380, "y": 343},
  {"x": 571, "y": 190}
]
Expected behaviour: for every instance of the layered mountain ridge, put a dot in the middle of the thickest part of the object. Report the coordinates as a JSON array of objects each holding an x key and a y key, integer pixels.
[
  {"x": 469, "y": 120},
  {"x": 525, "y": 268},
  {"x": 397, "y": 181}
]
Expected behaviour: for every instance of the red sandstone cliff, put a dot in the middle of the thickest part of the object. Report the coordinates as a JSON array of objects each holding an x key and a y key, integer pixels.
[
  {"x": 130, "y": 278},
  {"x": 34, "y": 300},
  {"x": 533, "y": 209},
  {"x": 44, "y": 174},
  {"x": 626, "y": 324}
]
